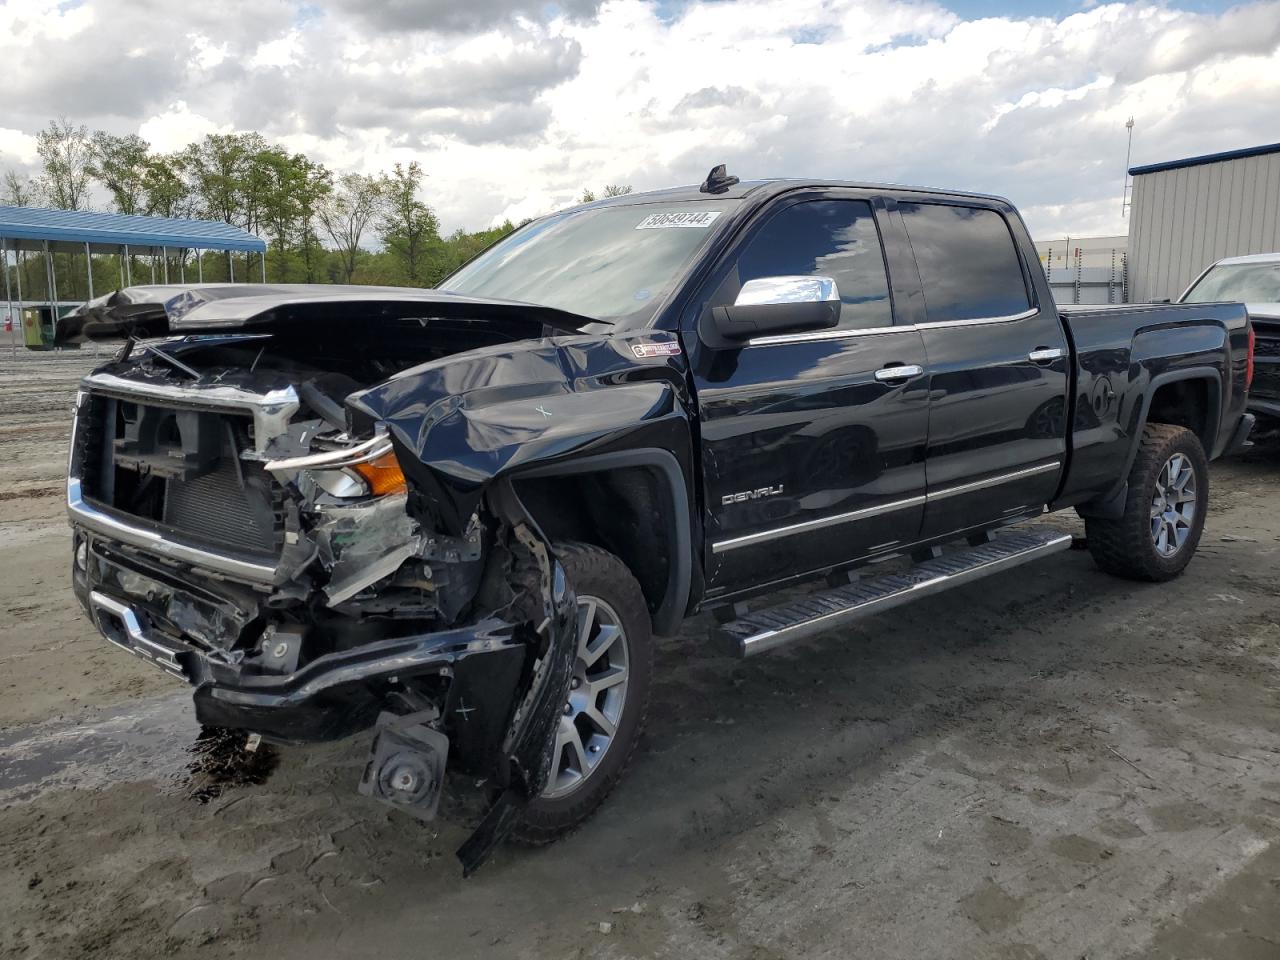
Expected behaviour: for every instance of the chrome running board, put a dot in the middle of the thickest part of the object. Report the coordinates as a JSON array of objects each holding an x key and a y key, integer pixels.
[{"x": 826, "y": 610}]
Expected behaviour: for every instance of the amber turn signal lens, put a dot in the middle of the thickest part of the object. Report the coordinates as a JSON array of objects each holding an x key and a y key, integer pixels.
[{"x": 383, "y": 475}]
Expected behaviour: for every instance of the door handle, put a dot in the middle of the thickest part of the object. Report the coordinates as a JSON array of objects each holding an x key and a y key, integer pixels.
[
  {"x": 1045, "y": 354},
  {"x": 903, "y": 371}
]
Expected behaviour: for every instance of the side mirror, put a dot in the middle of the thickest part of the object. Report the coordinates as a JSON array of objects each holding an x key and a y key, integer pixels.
[{"x": 779, "y": 305}]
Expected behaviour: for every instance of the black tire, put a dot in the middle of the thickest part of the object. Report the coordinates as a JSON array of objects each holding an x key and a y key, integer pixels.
[
  {"x": 595, "y": 572},
  {"x": 1126, "y": 547}
]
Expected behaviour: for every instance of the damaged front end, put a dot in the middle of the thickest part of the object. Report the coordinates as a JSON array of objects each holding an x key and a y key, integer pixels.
[{"x": 233, "y": 529}]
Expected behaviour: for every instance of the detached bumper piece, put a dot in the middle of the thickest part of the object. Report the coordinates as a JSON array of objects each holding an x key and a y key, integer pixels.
[{"x": 406, "y": 764}]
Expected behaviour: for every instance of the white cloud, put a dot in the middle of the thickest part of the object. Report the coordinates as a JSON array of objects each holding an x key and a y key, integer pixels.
[
  {"x": 280, "y": 52},
  {"x": 16, "y": 147},
  {"x": 176, "y": 127},
  {"x": 514, "y": 106},
  {"x": 205, "y": 53}
]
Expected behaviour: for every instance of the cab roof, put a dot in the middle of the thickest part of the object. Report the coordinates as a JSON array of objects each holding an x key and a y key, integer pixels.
[{"x": 764, "y": 189}]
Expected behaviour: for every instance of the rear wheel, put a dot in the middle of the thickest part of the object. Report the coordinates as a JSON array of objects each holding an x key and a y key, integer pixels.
[
  {"x": 608, "y": 694},
  {"x": 1164, "y": 512}
]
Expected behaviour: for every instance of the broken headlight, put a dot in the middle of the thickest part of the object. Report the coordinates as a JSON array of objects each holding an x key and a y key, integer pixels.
[{"x": 367, "y": 469}]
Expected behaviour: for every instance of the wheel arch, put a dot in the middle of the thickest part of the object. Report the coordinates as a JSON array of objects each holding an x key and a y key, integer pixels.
[
  {"x": 1166, "y": 395},
  {"x": 633, "y": 503}
]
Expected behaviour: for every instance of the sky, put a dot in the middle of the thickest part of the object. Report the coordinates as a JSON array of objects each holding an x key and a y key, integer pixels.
[{"x": 513, "y": 107}]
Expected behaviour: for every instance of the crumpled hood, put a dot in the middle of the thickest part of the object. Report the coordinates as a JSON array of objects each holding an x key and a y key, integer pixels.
[
  {"x": 179, "y": 309},
  {"x": 460, "y": 422}
]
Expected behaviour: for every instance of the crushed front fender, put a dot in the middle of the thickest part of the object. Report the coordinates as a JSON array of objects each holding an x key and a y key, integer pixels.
[{"x": 530, "y": 744}]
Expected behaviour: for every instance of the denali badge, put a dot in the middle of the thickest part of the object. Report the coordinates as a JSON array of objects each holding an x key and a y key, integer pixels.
[{"x": 746, "y": 495}]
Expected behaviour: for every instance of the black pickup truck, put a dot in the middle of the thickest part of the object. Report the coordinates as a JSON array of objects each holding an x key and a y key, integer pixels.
[{"x": 458, "y": 517}]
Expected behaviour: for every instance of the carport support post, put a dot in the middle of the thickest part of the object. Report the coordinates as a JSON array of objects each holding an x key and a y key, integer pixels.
[
  {"x": 152, "y": 258},
  {"x": 182, "y": 265},
  {"x": 88, "y": 266},
  {"x": 264, "y": 265},
  {"x": 8, "y": 293},
  {"x": 200, "y": 265},
  {"x": 17, "y": 273},
  {"x": 128, "y": 268},
  {"x": 231, "y": 267},
  {"x": 51, "y": 284}
]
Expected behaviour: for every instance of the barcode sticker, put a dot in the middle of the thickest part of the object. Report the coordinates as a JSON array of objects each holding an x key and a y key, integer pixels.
[{"x": 678, "y": 218}]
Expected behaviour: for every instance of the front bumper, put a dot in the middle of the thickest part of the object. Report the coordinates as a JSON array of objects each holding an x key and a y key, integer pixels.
[
  {"x": 331, "y": 697},
  {"x": 163, "y": 620}
]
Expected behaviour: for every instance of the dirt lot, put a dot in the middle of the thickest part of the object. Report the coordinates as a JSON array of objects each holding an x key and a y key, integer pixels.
[{"x": 1050, "y": 763}]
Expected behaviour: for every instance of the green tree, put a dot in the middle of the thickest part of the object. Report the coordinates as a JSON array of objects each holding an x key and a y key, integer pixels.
[
  {"x": 165, "y": 190},
  {"x": 64, "y": 151},
  {"x": 315, "y": 183},
  {"x": 19, "y": 190},
  {"x": 120, "y": 165},
  {"x": 347, "y": 212},
  {"x": 221, "y": 172},
  {"x": 272, "y": 180},
  {"x": 408, "y": 227},
  {"x": 287, "y": 191}
]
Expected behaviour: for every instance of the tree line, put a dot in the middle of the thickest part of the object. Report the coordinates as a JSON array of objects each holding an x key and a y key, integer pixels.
[{"x": 321, "y": 227}]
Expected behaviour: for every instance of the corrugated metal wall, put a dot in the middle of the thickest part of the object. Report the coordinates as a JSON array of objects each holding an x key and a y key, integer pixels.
[{"x": 1182, "y": 220}]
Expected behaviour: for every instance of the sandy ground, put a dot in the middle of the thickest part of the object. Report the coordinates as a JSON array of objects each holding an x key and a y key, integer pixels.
[{"x": 1048, "y": 764}]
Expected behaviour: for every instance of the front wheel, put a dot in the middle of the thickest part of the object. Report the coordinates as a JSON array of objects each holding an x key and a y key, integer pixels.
[
  {"x": 608, "y": 695},
  {"x": 1164, "y": 513}
]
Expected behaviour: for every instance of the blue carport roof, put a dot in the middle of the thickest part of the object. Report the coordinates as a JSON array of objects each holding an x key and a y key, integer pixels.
[{"x": 28, "y": 227}]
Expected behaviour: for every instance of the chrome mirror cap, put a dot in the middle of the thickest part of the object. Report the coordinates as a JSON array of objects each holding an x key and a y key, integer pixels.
[{"x": 767, "y": 290}]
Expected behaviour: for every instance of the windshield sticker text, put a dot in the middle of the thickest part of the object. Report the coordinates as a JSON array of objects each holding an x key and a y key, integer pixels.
[{"x": 678, "y": 218}]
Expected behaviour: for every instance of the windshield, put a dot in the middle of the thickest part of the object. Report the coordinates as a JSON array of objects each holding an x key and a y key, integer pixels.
[
  {"x": 614, "y": 263},
  {"x": 1245, "y": 282}
]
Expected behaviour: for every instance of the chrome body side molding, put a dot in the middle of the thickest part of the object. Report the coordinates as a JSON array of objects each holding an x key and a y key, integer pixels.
[
  {"x": 875, "y": 331},
  {"x": 820, "y": 523},
  {"x": 763, "y": 536}
]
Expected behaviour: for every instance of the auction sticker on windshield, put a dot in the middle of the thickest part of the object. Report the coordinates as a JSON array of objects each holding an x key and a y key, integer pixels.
[{"x": 678, "y": 218}]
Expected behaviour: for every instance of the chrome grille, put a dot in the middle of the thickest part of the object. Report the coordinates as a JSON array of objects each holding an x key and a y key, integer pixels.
[{"x": 234, "y": 505}]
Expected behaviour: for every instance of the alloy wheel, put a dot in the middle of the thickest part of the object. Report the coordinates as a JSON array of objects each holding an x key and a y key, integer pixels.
[
  {"x": 1173, "y": 506},
  {"x": 597, "y": 692}
]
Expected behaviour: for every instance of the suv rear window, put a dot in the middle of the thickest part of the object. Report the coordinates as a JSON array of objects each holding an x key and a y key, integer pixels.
[{"x": 968, "y": 262}]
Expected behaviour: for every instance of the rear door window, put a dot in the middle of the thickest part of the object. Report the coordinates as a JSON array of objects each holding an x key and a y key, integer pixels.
[{"x": 968, "y": 262}]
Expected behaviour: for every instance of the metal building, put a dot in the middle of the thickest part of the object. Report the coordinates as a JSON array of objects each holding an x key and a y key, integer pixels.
[{"x": 1188, "y": 213}]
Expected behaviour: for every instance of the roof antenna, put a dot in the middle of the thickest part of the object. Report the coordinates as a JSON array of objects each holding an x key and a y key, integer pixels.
[{"x": 718, "y": 181}]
